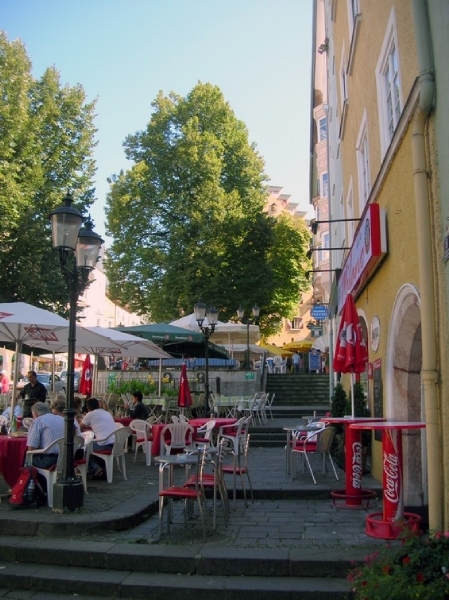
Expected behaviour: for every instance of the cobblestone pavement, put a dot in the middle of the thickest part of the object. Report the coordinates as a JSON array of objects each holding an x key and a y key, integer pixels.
[{"x": 286, "y": 513}]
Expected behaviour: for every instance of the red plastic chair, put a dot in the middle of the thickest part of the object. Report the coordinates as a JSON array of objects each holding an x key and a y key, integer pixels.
[{"x": 195, "y": 493}]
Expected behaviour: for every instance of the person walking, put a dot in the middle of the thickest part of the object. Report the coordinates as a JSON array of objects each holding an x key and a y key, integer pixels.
[
  {"x": 4, "y": 382},
  {"x": 296, "y": 362}
]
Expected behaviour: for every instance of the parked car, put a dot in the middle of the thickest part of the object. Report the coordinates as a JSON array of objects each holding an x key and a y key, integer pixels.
[
  {"x": 76, "y": 380},
  {"x": 46, "y": 379}
]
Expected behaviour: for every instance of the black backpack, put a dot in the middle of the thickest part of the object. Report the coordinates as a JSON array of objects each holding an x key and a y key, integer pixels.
[{"x": 27, "y": 492}]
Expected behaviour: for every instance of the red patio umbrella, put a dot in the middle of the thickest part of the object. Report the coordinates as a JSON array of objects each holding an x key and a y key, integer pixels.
[
  {"x": 85, "y": 386},
  {"x": 184, "y": 395},
  {"x": 351, "y": 354}
]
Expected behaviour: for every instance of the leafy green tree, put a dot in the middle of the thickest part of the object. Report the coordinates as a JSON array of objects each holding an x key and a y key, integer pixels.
[
  {"x": 187, "y": 218},
  {"x": 46, "y": 145}
]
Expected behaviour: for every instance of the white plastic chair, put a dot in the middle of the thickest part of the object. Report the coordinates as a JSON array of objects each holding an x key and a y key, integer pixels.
[
  {"x": 269, "y": 405},
  {"x": 203, "y": 435},
  {"x": 176, "y": 436},
  {"x": 119, "y": 449},
  {"x": 26, "y": 422},
  {"x": 81, "y": 464},
  {"x": 52, "y": 473},
  {"x": 318, "y": 442},
  {"x": 142, "y": 433}
]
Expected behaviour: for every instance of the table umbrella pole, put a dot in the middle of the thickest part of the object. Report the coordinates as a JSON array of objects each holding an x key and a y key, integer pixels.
[
  {"x": 16, "y": 374},
  {"x": 352, "y": 395}
]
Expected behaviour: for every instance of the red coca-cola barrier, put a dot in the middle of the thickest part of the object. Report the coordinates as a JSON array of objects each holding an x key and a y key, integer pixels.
[
  {"x": 392, "y": 475},
  {"x": 390, "y": 523},
  {"x": 353, "y": 496}
]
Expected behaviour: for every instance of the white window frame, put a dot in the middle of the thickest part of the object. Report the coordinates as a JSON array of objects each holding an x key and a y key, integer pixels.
[
  {"x": 322, "y": 129},
  {"x": 350, "y": 213},
  {"x": 388, "y": 119},
  {"x": 353, "y": 11},
  {"x": 297, "y": 321},
  {"x": 363, "y": 163},
  {"x": 343, "y": 80},
  {"x": 324, "y": 192}
]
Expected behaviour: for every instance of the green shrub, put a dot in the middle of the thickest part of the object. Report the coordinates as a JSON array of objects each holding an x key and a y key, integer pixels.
[
  {"x": 418, "y": 568},
  {"x": 146, "y": 387},
  {"x": 338, "y": 409}
]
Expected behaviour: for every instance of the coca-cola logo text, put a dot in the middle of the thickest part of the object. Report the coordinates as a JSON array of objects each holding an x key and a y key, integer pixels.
[
  {"x": 391, "y": 470},
  {"x": 357, "y": 465}
]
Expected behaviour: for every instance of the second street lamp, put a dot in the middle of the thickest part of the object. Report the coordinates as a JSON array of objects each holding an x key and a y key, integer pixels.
[
  {"x": 79, "y": 248},
  {"x": 201, "y": 312},
  {"x": 241, "y": 314}
]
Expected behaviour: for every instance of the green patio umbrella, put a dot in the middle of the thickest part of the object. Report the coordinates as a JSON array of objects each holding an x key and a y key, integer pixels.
[{"x": 176, "y": 341}]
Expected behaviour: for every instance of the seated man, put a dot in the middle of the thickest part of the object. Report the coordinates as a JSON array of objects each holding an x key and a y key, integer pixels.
[
  {"x": 17, "y": 411},
  {"x": 102, "y": 424},
  {"x": 138, "y": 410},
  {"x": 45, "y": 429},
  {"x": 58, "y": 406}
]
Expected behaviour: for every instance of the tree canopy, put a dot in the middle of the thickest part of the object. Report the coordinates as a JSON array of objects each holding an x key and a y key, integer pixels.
[
  {"x": 46, "y": 146},
  {"x": 187, "y": 218}
]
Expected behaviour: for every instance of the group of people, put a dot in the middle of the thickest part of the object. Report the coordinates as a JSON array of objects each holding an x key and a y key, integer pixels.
[{"x": 49, "y": 422}]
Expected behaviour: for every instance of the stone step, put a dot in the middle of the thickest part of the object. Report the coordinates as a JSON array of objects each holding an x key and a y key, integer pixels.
[
  {"x": 188, "y": 586},
  {"x": 142, "y": 571},
  {"x": 299, "y": 389}
]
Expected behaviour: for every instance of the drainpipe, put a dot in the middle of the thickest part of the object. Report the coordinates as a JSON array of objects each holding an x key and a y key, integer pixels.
[{"x": 429, "y": 373}]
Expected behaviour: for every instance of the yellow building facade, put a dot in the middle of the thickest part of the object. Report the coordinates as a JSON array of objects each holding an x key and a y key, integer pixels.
[{"x": 383, "y": 170}]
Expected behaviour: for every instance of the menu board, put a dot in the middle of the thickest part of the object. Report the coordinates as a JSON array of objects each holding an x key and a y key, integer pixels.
[{"x": 378, "y": 394}]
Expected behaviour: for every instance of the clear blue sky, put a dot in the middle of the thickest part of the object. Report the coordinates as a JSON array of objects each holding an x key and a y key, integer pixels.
[{"x": 258, "y": 52}]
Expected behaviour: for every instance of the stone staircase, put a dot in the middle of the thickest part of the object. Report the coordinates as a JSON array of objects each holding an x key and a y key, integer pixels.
[
  {"x": 296, "y": 396},
  {"x": 304, "y": 391},
  {"x": 183, "y": 573}
]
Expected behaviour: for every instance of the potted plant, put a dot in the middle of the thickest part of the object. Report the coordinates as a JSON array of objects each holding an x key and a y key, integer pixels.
[{"x": 338, "y": 409}]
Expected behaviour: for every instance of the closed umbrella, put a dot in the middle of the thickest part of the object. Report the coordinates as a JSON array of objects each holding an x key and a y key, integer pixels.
[
  {"x": 351, "y": 354},
  {"x": 85, "y": 385},
  {"x": 184, "y": 395}
]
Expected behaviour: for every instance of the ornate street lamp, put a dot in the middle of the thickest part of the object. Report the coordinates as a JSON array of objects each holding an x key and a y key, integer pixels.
[
  {"x": 201, "y": 312},
  {"x": 241, "y": 314},
  {"x": 82, "y": 244}
]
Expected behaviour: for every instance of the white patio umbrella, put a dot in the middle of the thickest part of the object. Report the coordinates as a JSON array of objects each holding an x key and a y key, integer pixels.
[
  {"x": 92, "y": 342},
  {"x": 21, "y": 323}
]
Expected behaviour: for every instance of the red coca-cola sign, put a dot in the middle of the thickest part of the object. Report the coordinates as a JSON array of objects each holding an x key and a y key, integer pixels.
[
  {"x": 357, "y": 469},
  {"x": 392, "y": 475}
]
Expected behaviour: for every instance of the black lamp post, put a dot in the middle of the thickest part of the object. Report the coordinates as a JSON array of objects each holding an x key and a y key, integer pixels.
[
  {"x": 201, "y": 312},
  {"x": 241, "y": 314},
  {"x": 79, "y": 248}
]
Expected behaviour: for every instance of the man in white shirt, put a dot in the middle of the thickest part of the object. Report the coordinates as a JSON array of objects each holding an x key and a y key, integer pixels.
[{"x": 103, "y": 425}]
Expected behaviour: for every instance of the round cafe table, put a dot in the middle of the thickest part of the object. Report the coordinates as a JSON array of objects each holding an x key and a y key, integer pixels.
[
  {"x": 12, "y": 457},
  {"x": 353, "y": 496},
  {"x": 219, "y": 422},
  {"x": 389, "y": 524},
  {"x": 125, "y": 421}
]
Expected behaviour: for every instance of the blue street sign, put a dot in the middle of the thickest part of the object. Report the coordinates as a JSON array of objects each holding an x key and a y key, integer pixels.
[
  {"x": 319, "y": 312},
  {"x": 314, "y": 361}
]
